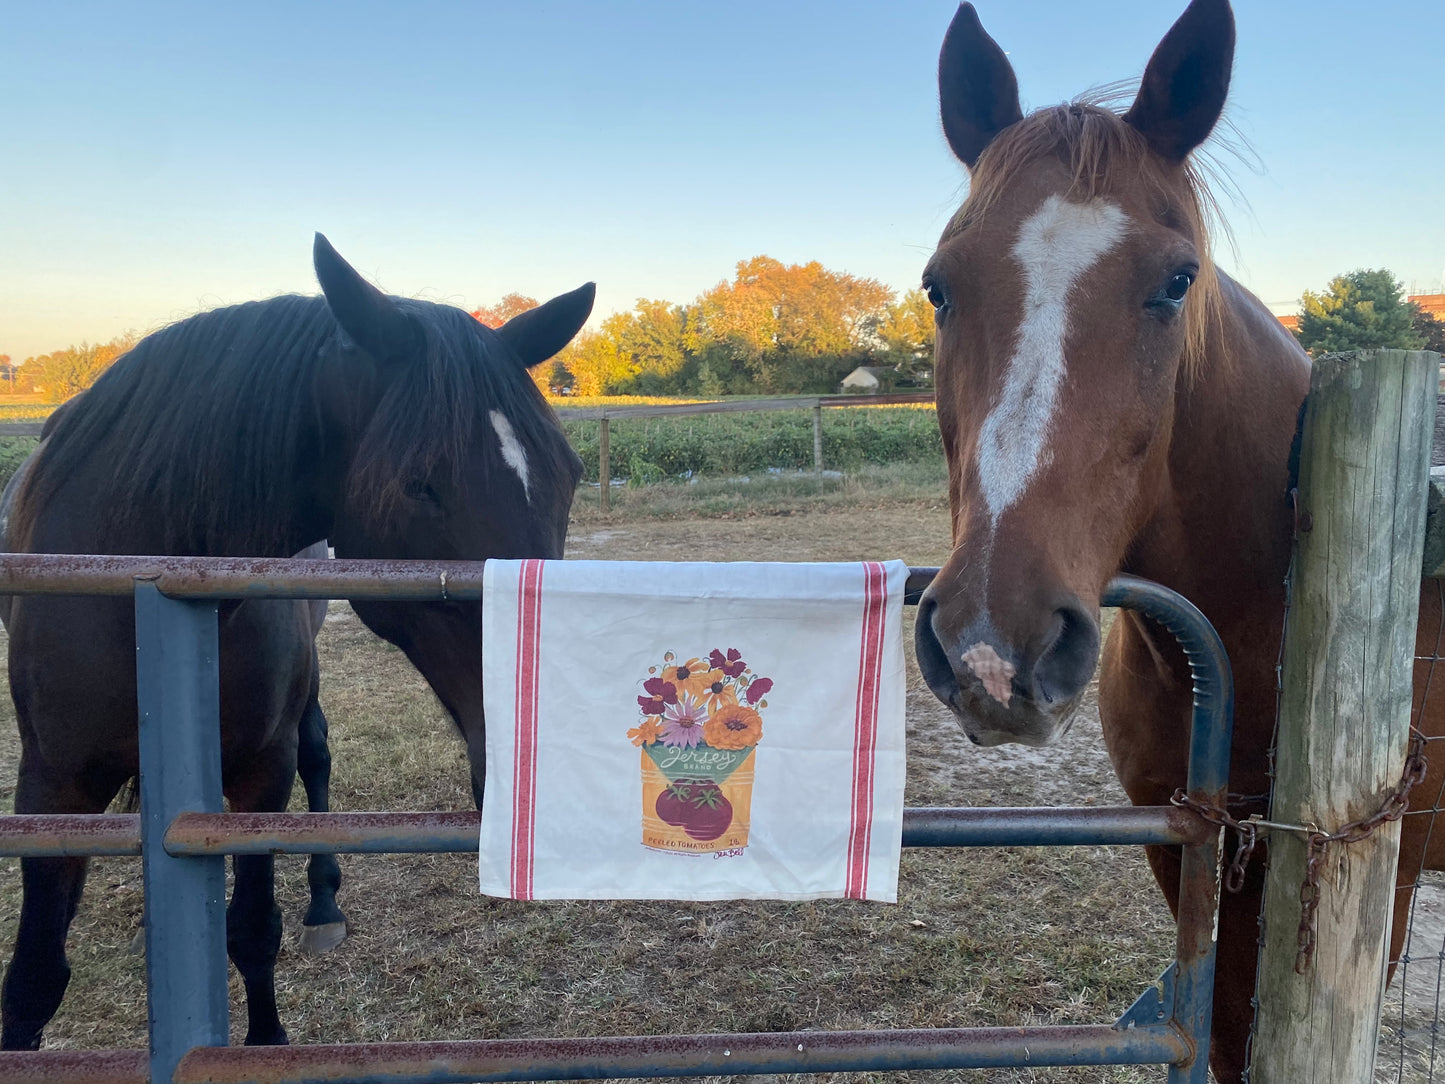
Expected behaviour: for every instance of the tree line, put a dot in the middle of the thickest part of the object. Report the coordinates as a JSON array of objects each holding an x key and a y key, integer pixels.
[
  {"x": 65, "y": 372},
  {"x": 773, "y": 328},
  {"x": 777, "y": 328}
]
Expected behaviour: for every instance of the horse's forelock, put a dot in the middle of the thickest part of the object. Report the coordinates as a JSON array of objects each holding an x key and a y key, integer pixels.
[
  {"x": 1104, "y": 153},
  {"x": 429, "y": 415}
]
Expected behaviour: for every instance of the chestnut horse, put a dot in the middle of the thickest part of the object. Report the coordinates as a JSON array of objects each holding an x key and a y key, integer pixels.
[
  {"x": 1110, "y": 401},
  {"x": 395, "y": 428}
]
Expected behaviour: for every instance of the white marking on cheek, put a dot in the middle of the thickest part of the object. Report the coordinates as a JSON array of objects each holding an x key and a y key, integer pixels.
[
  {"x": 995, "y": 673},
  {"x": 1056, "y": 245},
  {"x": 512, "y": 453}
]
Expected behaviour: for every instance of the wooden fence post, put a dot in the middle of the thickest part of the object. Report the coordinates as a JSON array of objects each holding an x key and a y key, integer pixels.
[
  {"x": 604, "y": 466},
  {"x": 817, "y": 438},
  {"x": 1345, "y": 709}
]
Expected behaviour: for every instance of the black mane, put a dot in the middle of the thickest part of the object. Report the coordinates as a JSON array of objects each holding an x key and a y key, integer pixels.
[{"x": 205, "y": 423}]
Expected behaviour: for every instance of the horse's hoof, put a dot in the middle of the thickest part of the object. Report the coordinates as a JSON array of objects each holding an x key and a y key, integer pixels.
[
  {"x": 137, "y": 946},
  {"x": 319, "y": 940},
  {"x": 20, "y": 1037}
]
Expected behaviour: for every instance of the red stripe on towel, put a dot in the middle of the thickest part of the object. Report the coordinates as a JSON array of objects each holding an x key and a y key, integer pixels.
[
  {"x": 524, "y": 778},
  {"x": 865, "y": 733}
]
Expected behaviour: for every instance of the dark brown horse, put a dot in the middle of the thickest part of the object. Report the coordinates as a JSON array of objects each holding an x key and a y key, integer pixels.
[
  {"x": 394, "y": 428},
  {"x": 1112, "y": 402}
]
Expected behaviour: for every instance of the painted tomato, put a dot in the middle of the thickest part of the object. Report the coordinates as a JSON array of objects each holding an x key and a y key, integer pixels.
[
  {"x": 673, "y": 804},
  {"x": 709, "y": 813}
]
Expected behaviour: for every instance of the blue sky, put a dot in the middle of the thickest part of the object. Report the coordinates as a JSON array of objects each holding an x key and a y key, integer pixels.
[{"x": 157, "y": 159}]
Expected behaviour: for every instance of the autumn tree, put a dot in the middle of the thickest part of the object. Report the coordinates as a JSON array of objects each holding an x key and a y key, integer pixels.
[
  {"x": 510, "y": 306},
  {"x": 1363, "y": 310},
  {"x": 907, "y": 331},
  {"x": 67, "y": 372},
  {"x": 652, "y": 339},
  {"x": 780, "y": 327},
  {"x": 596, "y": 359}
]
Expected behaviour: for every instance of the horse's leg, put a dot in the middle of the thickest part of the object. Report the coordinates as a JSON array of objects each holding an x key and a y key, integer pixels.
[
  {"x": 1236, "y": 956},
  {"x": 477, "y": 758},
  {"x": 253, "y": 919},
  {"x": 39, "y": 972},
  {"x": 324, "y": 926}
]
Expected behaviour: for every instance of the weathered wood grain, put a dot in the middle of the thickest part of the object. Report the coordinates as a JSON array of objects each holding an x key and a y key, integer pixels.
[{"x": 1345, "y": 708}]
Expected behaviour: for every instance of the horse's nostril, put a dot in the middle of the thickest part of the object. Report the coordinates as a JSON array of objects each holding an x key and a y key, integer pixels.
[
  {"x": 1067, "y": 664},
  {"x": 932, "y": 657}
]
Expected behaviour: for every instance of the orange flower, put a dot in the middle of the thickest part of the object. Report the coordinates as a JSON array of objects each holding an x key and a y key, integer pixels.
[
  {"x": 733, "y": 727},
  {"x": 647, "y": 732},
  {"x": 717, "y": 693},
  {"x": 690, "y": 677}
]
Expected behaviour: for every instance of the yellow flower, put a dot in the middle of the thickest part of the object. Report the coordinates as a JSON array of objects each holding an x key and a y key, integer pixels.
[
  {"x": 647, "y": 732},
  {"x": 690, "y": 677},
  {"x": 733, "y": 727},
  {"x": 717, "y": 693}
]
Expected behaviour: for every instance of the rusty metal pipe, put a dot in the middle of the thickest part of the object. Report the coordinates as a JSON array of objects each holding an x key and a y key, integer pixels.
[
  {"x": 64, "y": 835},
  {"x": 267, "y": 577},
  {"x": 195, "y": 834},
  {"x": 75, "y": 1067},
  {"x": 684, "y": 1055},
  {"x": 237, "y": 577},
  {"x": 198, "y": 834}
]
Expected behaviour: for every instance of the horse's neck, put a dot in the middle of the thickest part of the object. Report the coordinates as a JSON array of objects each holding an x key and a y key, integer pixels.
[{"x": 1219, "y": 532}]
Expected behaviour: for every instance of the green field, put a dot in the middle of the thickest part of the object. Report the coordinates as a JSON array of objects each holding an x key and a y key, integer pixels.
[
  {"x": 654, "y": 449},
  {"x": 647, "y": 450}
]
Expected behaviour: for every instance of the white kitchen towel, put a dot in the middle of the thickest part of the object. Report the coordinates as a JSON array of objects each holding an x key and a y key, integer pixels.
[{"x": 693, "y": 731}]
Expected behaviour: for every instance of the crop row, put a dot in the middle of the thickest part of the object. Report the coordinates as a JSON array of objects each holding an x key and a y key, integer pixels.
[{"x": 653, "y": 449}]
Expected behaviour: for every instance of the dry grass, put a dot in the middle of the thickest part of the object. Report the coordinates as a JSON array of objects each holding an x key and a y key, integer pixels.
[{"x": 979, "y": 937}]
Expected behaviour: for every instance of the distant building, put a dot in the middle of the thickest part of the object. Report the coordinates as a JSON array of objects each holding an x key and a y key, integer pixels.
[
  {"x": 1291, "y": 323},
  {"x": 865, "y": 378},
  {"x": 1430, "y": 304}
]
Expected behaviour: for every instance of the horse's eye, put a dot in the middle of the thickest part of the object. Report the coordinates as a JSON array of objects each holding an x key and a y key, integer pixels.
[
  {"x": 935, "y": 295},
  {"x": 1178, "y": 286},
  {"x": 422, "y": 493},
  {"x": 1170, "y": 298}
]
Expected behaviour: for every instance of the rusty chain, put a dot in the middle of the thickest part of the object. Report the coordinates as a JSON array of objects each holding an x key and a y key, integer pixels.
[{"x": 1247, "y": 833}]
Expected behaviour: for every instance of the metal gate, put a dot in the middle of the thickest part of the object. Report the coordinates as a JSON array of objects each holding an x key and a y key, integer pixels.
[{"x": 183, "y": 837}]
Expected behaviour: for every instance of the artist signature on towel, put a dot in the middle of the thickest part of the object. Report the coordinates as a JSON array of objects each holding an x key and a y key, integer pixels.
[{"x": 732, "y": 852}]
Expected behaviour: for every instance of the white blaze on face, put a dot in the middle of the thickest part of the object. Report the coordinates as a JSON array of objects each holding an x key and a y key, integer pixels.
[
  {"x": 512, "y": 453},
  {"x": 1056, "y": 245}
]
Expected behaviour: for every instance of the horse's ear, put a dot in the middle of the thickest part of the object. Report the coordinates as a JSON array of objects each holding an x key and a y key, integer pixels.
[
  {"x": 365, "y": 313},
  {"x": 1187, "y": 80},
  {"x": 978, "y": 93},
  {"x": 537, "y": 334}
]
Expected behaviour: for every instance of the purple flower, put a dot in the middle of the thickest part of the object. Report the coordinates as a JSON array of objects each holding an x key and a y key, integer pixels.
[
  {"x": 757, "y": 689},
  {"x": 659, "y": 695},
  {"x": 732, "y": 664},
  {"x": 682, "y": 723}
]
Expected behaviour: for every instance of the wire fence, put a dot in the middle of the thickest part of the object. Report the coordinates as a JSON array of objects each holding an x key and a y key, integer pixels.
[{"x": 1411, "y": 1048}]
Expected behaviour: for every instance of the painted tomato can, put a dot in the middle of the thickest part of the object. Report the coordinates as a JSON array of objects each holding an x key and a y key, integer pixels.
[{"x": 698, "y": 800}]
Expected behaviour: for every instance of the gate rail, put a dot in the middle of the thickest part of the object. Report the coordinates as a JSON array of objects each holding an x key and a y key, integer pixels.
[{"x": 182, "y": 836}]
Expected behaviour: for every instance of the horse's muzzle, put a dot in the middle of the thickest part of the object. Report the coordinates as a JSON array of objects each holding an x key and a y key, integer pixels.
[{"x": 1003, "y": 694}]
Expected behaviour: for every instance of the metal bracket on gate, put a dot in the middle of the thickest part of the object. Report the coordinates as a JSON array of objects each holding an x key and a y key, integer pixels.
[{"x": 1152, "y": 1006}]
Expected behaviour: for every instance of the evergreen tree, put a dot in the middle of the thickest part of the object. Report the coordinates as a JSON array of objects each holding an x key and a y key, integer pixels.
[{"x": 1363, "y": 310}]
